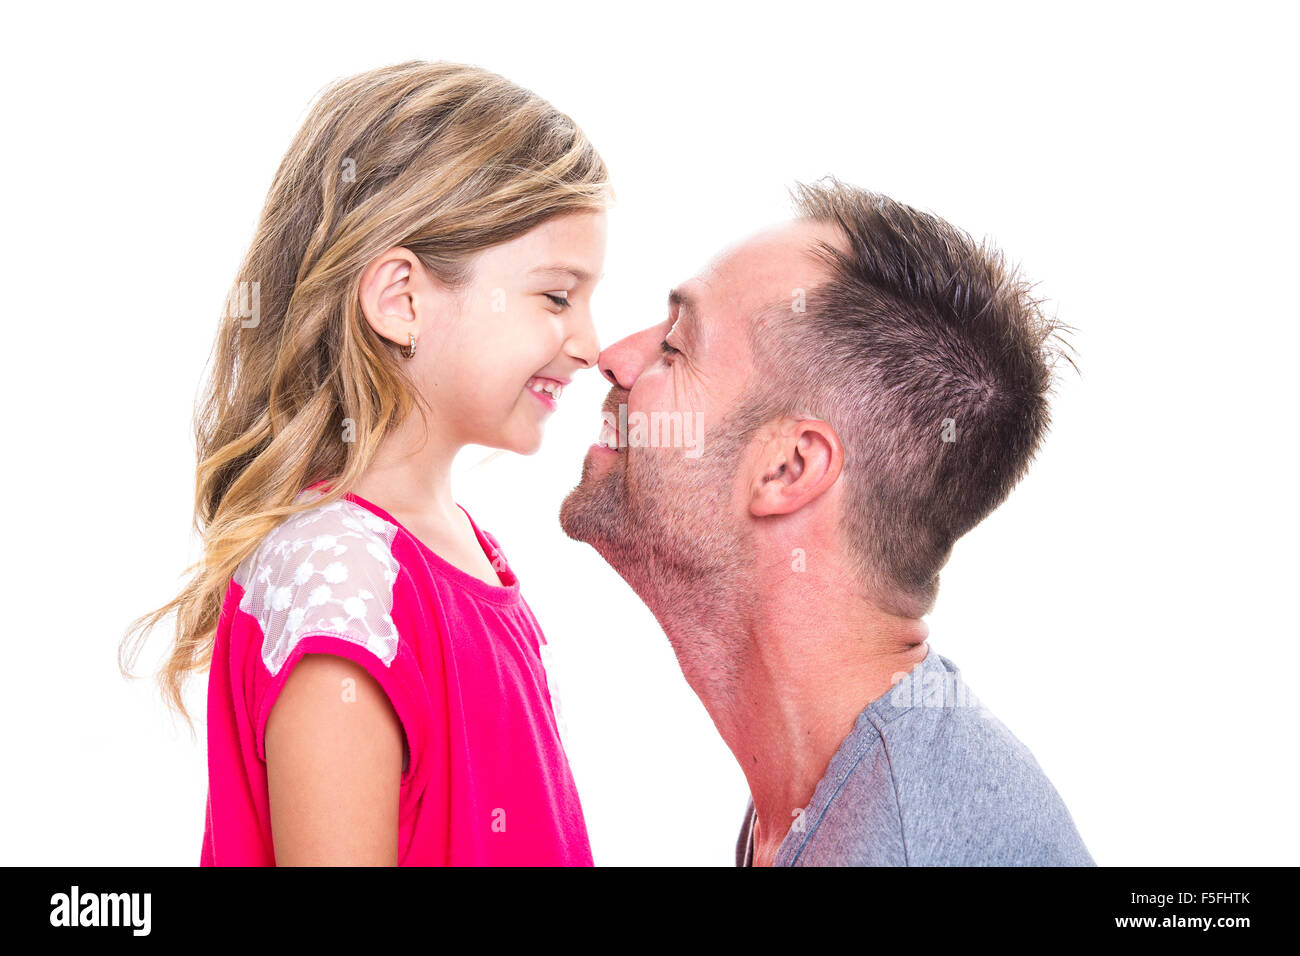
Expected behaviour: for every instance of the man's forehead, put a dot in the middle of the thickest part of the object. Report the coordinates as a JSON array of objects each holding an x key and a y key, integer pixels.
[{"x": 768, "y": 266}]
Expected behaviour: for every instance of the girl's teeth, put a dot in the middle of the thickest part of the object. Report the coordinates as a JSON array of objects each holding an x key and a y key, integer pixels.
[{"x": 552, "y": 389}]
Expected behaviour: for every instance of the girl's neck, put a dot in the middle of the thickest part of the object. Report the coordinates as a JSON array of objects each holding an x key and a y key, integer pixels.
[{"x": 411, "y": 474}]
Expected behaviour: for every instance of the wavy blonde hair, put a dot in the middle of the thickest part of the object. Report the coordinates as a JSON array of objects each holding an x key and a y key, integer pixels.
[{"x": 443, "y": 159}]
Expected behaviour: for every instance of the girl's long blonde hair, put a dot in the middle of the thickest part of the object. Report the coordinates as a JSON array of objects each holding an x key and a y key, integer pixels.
[{"x": 443, "y": 159}]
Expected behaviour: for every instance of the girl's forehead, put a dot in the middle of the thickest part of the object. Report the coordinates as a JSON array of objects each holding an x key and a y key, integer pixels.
[{"x": 573, "y": 243}]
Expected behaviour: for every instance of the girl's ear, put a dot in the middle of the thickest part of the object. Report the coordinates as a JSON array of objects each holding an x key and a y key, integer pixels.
[{"x": 395, "y": 293}]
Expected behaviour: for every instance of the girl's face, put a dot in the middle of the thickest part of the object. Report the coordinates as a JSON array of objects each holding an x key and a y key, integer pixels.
[{"x": 493, "y": 358}]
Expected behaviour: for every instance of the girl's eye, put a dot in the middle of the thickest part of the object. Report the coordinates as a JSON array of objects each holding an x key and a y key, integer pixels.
[{"x": 561, "y": 300}]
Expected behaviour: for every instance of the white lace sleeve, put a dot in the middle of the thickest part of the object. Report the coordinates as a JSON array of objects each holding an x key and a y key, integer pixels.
[{"x": 327, "y": 570}]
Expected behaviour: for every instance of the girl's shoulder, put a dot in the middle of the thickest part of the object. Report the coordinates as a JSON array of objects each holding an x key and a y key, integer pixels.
[
  {"x": 339, "y": 534},
  {"x": 326, "y": 569}
]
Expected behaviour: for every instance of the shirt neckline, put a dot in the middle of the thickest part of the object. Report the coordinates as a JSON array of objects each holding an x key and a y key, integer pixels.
[
  {"x": 505, "y": 593},
  {"x": 856, "y": 742}
]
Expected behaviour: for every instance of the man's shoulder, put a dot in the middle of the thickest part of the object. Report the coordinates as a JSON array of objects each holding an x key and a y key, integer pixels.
[
  {"x": 935, "y": 730},
  {"x": 943, "y": 782}
]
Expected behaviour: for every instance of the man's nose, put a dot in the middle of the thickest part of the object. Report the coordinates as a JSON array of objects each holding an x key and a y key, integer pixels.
[{"x": 624, "y": 361}]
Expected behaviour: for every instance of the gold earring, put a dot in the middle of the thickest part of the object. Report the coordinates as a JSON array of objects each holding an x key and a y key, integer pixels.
[{"x": 409, "y": 350}]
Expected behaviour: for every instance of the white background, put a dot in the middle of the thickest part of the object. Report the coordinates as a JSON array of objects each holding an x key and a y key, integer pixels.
[{"x": 1128, "y": 613}]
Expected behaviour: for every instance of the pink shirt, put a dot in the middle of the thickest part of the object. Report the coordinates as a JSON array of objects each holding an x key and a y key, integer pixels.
[{"x": 487, "y": 781}]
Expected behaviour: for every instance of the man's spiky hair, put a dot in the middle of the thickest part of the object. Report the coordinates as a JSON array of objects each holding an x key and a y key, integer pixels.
[{"x": 933, "y": 363}]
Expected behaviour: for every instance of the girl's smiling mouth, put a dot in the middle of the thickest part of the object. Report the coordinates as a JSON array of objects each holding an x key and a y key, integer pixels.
[{"x": 546, "y": 390}]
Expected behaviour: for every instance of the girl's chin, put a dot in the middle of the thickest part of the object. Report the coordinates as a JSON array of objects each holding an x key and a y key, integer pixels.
[
  {"x": 521, "y": 444},
  {"x": 518, "y": 434}
]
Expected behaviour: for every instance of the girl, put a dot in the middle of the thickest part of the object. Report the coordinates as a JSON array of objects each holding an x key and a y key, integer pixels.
[{"x": 376, "y": 696}]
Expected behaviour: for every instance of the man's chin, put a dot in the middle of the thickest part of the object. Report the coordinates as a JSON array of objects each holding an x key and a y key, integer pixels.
[
  {"x": 571, "y": 525},
  {"x": 594, "y": 511},
  {"x": 578, "y": 518}
]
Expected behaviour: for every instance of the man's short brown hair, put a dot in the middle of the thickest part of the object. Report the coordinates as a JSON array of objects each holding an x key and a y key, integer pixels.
[{"x": 930, "y": 359}]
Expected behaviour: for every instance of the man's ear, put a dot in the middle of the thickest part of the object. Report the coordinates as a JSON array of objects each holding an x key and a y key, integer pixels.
[
  {"x": 393, "y": 295},
  {"x": 801, "y": 461}
]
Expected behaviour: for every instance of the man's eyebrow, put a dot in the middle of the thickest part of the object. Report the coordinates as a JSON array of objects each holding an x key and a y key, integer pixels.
[
  {"x": 559, "y": 268},
  {"x": 687, "y": 313}
]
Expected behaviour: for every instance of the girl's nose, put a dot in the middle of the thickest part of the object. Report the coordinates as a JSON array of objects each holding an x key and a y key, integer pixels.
[{"x": 584, "y": 344}]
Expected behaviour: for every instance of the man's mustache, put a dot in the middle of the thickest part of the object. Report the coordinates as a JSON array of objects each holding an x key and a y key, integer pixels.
[
  {"x": 617, "y": 396},
  {"x": 657, "y": 428}
]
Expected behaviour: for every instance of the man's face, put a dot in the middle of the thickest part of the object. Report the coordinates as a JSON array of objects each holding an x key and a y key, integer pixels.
[{"x": 666, "y": 515}]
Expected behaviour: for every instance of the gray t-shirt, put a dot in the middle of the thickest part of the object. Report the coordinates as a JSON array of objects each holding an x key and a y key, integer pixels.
[{"x": 929, "y": 777}]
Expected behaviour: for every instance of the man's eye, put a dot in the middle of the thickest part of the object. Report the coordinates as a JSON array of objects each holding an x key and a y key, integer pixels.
[
  {"x": 561, "y": 300},
  {"x": 667, "y": 349}
]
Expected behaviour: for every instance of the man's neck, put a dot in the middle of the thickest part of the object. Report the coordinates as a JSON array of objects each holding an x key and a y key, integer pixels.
[{"x": 786, "y": 690}]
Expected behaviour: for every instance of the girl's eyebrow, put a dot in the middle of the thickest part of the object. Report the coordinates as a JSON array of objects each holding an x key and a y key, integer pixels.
[{"x": 582, "y": 275}]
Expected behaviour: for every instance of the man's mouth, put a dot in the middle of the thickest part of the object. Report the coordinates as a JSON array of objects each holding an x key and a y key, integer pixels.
[{"x": 608, "y": 434}]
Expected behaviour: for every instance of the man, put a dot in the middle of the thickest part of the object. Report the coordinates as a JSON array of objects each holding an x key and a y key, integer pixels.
[{"x": 871, "y": 384}]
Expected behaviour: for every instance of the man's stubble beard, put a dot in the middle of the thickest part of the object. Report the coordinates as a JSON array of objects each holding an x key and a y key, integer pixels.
[{"x": 664, "y": 522}]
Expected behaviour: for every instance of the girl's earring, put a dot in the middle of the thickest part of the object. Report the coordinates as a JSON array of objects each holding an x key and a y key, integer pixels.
[{"x": 409, "y": 350}]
